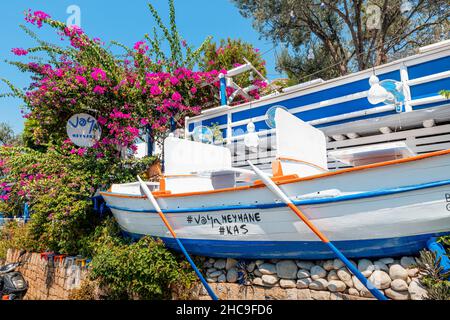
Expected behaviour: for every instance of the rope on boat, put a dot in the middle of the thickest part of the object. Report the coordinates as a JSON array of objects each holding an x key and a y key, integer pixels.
[
  {"x": 277, "y": 191},
  {"x": 174, "y": 235}
]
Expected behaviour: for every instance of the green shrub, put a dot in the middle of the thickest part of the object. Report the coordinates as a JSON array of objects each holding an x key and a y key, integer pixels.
[
  {"x": 438, "y": 287},
  {"x": 58, "y": 188},
  {"x": 139, "y": 270},
  {"x": 15, "y": 235}
]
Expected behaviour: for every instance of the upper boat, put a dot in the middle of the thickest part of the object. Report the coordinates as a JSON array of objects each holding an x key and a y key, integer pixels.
[{"x": 388, "y": 201}]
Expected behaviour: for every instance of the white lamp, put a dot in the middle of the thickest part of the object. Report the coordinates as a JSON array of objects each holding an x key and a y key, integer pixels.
[
  {"x": 251, "y": 139},
  {"x": 377, "y": 93}
]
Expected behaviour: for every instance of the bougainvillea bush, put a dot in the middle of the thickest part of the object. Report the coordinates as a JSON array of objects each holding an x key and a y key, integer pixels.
[
  {"x": 58, "y": 188},
  {"x": 146, "y": 90},
  {"x": 130, "y": 95}
]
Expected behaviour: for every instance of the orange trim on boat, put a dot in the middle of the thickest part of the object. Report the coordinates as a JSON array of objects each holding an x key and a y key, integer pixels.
[
  {"x": 162, "y": 184},
  {"x": 290, "y": 179},
  {"x": 277, "y": 170}
]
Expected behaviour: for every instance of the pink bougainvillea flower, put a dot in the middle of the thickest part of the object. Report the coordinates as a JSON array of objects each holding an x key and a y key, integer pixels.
[
  {"x": 19, "y": 51},
  {"x": 82, "y": 151},
  {"x": 99, "y": 90},
  {"x": 98, "y": 74},
  {"x": 155, "y": 90},
  {"x": 140, "y": 47},
  {"x": 174, "y": 81},
  {"x": 101, "y": 120},
  {"x": 144, "y": 121},
  {"x": 176, "y": 96},
  {"x": 193, "y": 90},
  {"x": 36, "y": 17}
]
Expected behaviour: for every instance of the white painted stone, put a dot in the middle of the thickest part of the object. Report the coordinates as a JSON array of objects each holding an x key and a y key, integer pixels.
[
  {"x": 337, "y": 264},
  {"x": 412, "y": 272},
  {"x": 358, "y": 285},
  {"x": 366, "y": 293},
  {"x": 417, "y": 291},
  {"x": 336, "y": 286},
  {"x": 211, "y": 260},
  {"x": 302, "y": 273},
  {"x": 344, "y": 274},
  {"x": 328, "y": 265},
  {"x": 332, "y": 275},
  {"x": 210, "y": 270},
  {"x": 397, "y": 295},
  {"x": 303, "y": 283},
  {"x": 307, "y": 265},
  {"x": 319, "y": 284},
  {"x": 286, "y": 283},
  {"x": 318, "y": 272},
  {"x": 408, "y": 262},
  {"x": 232, "y": 275},
  {"x": 286, "y": 269},
  {"x": 220, "y": 264},
  {"x": 215, "y": 274},
  {"x": 387, "y": 260},
  {"x": 257, "y": 273},
  {"x": 222, "y": 278},
  {"x": 267, "y": 268},
  {"x": 259, "y": 262},
  {"x": 251, "y": 267},
  {"x": 231, "y": 263},
  {"x": 380, "y": 279},
  {"x": 258, "y": 281},
  {"x": 211, "y": 280},
  {"x": 380, "y": 265},
  {"x": 269, "y": 279},
  {"x": 396, "y": 271},
  {"x": 366, "y": 267},
  {"x": 353, "y": 292},
  {"x": 399, "y": 285}
]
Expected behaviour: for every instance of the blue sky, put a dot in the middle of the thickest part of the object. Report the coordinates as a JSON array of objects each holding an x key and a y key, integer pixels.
[{"x": 124, "y": 21}]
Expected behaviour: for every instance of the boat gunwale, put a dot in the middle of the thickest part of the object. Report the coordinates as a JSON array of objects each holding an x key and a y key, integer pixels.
[
  {"x": 260, "y": 184},
  {"x": 300, "y": 202}
]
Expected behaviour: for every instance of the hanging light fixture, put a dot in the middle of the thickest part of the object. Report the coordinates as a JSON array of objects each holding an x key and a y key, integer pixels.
[
  {"x": 377, "y": 93},
  {"x": 251, "y": 139}
]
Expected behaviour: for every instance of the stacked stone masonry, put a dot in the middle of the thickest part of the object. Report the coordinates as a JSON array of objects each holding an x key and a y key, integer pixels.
[
  {"x": 48, "y": 279},
  {"x": 398, "y": 279}
]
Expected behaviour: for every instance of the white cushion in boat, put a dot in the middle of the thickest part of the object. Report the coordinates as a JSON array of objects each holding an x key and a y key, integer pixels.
[{"x": 301, "y": 148}]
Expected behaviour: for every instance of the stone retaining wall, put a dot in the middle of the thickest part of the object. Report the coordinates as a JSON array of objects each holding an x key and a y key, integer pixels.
[
  {"x": 399, "y": 279},
  {"x": 48, "y": 279}
]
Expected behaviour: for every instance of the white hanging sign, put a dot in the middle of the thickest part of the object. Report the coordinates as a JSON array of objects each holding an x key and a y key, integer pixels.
[{"x": 83, "y": 130}]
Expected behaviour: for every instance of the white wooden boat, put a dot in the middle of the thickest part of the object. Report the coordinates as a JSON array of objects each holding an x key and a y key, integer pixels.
[{"x": 377, "y": 209}]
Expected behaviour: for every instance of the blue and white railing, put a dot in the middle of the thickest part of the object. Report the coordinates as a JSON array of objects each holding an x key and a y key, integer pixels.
[{"x": 341, "y": 100}]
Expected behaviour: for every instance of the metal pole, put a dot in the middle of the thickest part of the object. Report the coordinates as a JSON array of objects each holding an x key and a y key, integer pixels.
[{"x": 223, "y": 90}]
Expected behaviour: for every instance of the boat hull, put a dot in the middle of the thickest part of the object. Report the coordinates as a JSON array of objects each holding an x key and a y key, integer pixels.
[{"x": 384, "y": 211}]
